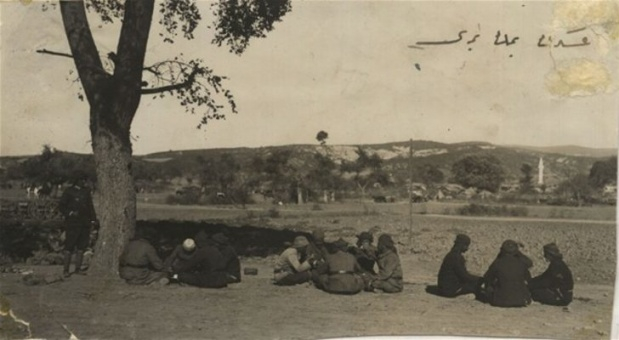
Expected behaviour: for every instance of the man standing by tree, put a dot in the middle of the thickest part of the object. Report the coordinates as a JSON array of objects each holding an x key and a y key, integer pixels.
[{"x": 79, "y": 214}]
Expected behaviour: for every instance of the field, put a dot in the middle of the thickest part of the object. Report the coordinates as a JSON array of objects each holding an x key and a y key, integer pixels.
[{"x": 255, "y": 309}]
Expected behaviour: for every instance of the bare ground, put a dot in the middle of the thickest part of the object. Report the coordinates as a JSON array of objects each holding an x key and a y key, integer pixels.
[{"x": 255, "y": 309}]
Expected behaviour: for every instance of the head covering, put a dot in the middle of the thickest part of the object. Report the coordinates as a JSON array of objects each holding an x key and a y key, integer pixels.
[
  {"x": 462, "y": 239},
  {"x": 201, "y": 239},
  {"x": 300, "y": 242},
  {"x": 189, "y": 244},
  {"x": 386, "y": 242},
  {"x": 340, "y": 244},
  {"x": 509, "y": 247},
  {"x": 552, "y": 250},
  {"x": 365, "y": 236},
  {"x": 220, "y": 238}
]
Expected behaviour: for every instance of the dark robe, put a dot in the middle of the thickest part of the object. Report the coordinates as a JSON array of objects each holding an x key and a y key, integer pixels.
[
  {"x": 231, "y": 263},
  {"x": 453, "y": 278},
  {"x": 206, "y": 268},
  {"x": 365, "y": 257},
  {"x": 506, "y": 282},
  {"x": 554, "y": 286}
]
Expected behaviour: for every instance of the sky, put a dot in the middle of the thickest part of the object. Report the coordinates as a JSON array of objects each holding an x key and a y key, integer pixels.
[{"x": 351, "y": 68}]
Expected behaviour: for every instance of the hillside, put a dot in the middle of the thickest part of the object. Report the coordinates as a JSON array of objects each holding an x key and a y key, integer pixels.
[{"x": 559, "y": 162}]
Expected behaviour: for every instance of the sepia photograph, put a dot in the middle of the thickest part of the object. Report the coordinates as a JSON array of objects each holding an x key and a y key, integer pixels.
[{"x": 308, "y": 169}]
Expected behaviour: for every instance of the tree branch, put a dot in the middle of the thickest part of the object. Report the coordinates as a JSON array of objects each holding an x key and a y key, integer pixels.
[
  {"x": 60, "y": 54},
  {"x": 82, "y": 44},
  {"x": 190, "y": 79}
]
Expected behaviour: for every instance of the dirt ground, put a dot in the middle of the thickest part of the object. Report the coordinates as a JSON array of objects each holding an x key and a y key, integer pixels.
[{"x": 256, "y": 309}]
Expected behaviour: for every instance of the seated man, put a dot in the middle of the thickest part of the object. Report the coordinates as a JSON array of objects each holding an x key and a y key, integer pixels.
[
  {"x": 318, "y": 250},
  {"x": 288, "y": 269},
  {"x": 205, "y": 268},
  {"x": 182, "y": 252},
  {"x": 231, "y": 262},
  {"x": 140, "y": 264},
  {"x": 555, "y": 285},
  {"x": 344, "y": 273},
  {"x": 506, "y": 279},
  {"x": 453, "y": 278},
  {"x": 389, "y": 278},
  {"x": 365, "y": 252}
]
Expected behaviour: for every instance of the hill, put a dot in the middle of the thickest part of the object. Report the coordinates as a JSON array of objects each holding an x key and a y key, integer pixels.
[{"x": 559, "y": 161}]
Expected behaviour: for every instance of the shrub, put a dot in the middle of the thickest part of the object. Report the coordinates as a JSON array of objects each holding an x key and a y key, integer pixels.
[{"x": 316, "y": 207}]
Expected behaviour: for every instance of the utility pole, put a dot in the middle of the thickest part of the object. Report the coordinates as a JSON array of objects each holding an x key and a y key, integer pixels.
[{"x": 410, "y": 193}]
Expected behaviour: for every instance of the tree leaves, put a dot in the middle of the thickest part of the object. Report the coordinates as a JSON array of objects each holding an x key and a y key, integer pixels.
[
  {"x": 194, "y": 85},
  {"x": 240, "y": 20}
]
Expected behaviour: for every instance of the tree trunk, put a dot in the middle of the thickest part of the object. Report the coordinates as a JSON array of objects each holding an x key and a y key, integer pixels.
[
  {"x": 111, "y": 147},
  {"x": 117, "y": 199}
]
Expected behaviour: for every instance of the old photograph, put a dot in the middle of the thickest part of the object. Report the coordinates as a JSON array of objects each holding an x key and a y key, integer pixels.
[{"x": 288, "y": 169}]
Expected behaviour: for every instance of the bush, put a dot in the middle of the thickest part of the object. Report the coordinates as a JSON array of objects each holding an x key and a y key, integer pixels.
[
  {"x": 475, "y": 209},
  {"x": 316, "y": 207}
]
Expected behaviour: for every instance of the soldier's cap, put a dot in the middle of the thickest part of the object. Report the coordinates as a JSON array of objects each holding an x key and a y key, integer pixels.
[
  {"x": 365, "y": 236},
  {"x": 300, "y": 242},
  {"x": 552, "y": 250},
  {"x": 341, "y": 244},
  {"x": 462, "y": 239},
  {"x": 509, "y": 247},
  {"x": 189, "y": 244},
  {"x": 220, "y": 238}
]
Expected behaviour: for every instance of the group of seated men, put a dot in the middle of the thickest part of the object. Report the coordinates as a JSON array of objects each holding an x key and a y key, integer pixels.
[
  {"x": 507, "y": 282},
  {"x": 339, "y": 268},
  {"x": 209, "y": 262}
]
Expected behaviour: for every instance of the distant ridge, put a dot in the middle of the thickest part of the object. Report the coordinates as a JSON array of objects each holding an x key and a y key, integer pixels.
[{"x": 570, "y": 150}]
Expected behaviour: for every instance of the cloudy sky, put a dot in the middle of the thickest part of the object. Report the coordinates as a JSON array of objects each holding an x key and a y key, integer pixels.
[{"x": 352, "y": 68}]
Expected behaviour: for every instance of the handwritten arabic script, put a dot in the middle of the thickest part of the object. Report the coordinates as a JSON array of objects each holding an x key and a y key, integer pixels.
[{"x": 504, "y": 39}]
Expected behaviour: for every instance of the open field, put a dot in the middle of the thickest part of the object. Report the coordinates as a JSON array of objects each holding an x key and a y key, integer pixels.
[{"x": 255, "y": 309}]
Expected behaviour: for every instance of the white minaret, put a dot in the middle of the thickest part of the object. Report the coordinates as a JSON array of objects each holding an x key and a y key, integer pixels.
[{"x": 540, "y": 172}]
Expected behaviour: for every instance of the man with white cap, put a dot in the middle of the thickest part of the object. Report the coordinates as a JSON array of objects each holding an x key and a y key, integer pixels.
[
  {"x": 288, "y": 269},
  {"x": 182, "y": 252},
  {"x": 555, "y": 285}
]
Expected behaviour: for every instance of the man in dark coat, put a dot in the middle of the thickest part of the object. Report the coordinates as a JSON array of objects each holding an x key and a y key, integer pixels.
[
  {"x": 344, "y": 273},
  {"x": 206, "y": 268},
  {"x": 506, "y": 279},
  {"x": 365, "y": 252},
  {"x": 76, "y": 207},
  {"x": 139, "y": 262},
  {"x": 317, "y": 250},
  {"x": 555, "y": 285},
  {"x": 231, "y": 262},
  {"x": 453, "y": 278}
]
